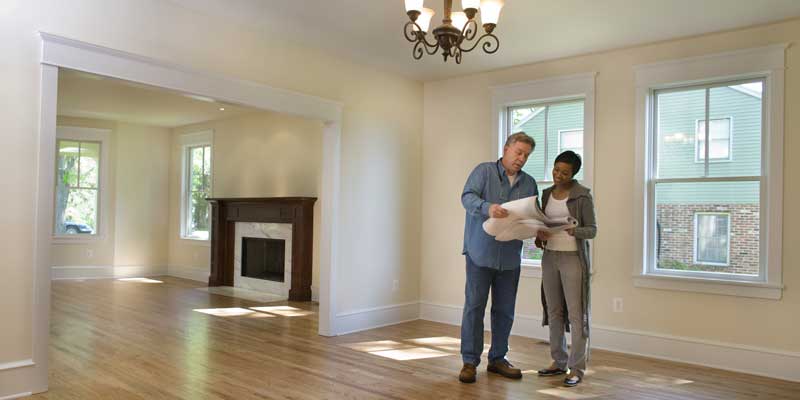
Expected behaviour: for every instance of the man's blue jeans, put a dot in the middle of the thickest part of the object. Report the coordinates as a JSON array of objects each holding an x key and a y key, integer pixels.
[{"x": 503, "y": 285}]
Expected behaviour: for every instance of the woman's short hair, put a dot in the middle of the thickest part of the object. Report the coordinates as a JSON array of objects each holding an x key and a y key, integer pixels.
[{"x": 571, "y": 158}]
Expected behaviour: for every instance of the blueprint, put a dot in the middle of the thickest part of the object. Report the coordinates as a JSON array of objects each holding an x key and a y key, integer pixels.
[{"x": 525, "y": 218}]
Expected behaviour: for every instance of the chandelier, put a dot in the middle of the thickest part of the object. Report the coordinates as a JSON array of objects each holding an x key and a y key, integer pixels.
[{"x": 458, "y": 29}]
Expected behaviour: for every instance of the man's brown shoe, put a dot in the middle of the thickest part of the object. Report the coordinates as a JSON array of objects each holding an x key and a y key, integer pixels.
[
  {"x": 503, "y": 367},
  {"x": 467, "y": 374}
]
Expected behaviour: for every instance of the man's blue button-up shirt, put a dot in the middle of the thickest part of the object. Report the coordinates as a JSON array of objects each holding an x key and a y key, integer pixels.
[{"x": 487, "y": 185}]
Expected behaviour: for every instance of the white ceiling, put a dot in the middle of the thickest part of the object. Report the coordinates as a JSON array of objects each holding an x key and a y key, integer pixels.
[
  {"x": 370, "y": 31},
  {"x": 92, "y": 96}
]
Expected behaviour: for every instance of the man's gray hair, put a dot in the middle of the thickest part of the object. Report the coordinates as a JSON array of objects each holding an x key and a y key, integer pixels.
[{"x": 520, "y": 137}]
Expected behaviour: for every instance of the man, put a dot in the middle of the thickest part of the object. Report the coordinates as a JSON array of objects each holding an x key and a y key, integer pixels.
[{"x": 491, "y": 264}]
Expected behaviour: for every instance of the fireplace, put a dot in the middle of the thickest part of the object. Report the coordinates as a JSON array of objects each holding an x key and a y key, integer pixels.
[
  {"x": 263, "y": 258},
  {"x": 286, "y": 219}
]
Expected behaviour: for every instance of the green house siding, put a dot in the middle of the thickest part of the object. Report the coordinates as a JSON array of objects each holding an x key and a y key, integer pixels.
[
  {"x": 560, "y": 117},
  {"x": 678, "y": 116}
]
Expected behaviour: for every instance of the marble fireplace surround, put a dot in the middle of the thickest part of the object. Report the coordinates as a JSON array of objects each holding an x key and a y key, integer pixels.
[
  {"x": 263, "y": 230},
  {"x": 287, "y": 218}
]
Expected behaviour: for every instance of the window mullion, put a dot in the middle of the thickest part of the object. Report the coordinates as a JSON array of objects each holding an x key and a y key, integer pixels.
[{"x": 546, "y": 121}]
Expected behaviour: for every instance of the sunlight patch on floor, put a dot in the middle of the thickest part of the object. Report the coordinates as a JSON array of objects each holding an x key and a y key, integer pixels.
[
  {"x": 139, "y": 280},
  {"x": 284, "y": 311}
]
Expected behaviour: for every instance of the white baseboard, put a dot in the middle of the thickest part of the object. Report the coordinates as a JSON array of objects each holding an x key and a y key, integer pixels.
[
  {"x": 192, "y": 273},
  {"x": 105, "y": 271},
  {"x": 16, "y": 396},
  {"x": 17, "y": 364},
  {"x": 361, "y": 320},
  {"x": 726, "y": 356}
]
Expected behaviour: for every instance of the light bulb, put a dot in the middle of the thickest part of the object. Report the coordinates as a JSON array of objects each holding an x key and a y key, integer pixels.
[
  {"x": 490, "y": 11},
  {"x": 414, "y": 5},
  {"x": 424, "y": 20},
  {"x": 459, "y": 19}
]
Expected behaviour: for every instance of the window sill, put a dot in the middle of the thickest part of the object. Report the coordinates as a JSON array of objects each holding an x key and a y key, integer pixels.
[
  {"x": 196, "y": 242},
  {"x": 712, "y": 286},
  {"x": 76, "y": 239}
]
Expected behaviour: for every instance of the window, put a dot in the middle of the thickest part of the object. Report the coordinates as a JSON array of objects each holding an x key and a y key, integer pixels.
[
  {"x": 559, "y": 114},
  {"x": 195, "y": 221},
  {"x": 77, "y": 187},
  {"x": 690, "y": 198},
  {"x": 712, "y": 239},
  {"x": 711, "y": 226},
  {"x": 571, "y": 140},
  {"x": 80, "y": 180},
  {"x": 556, "y": 127},
  {"x": 720, "y": 137}
]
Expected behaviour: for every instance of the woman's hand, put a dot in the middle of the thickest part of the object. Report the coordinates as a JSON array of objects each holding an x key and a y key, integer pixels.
[
  {"x": 571, "y": 231},
  {"x": 542, "y": 235},
  {"x": 539, "y": 243}
]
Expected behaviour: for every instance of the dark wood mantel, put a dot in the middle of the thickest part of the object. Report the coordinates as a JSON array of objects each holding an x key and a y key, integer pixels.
[{"x": 298, "y": 211}]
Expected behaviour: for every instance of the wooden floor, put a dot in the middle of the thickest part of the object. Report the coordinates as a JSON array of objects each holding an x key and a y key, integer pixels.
[{"x": 115, "y": 339}]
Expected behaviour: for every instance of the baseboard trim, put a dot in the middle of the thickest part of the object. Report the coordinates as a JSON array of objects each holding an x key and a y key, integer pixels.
[
  {"x": 17, "y": 364},
  {"x": 16, "y": 396},
  {"x": 377, "y": 317},
  {"x": 192, "y": 273},
  {"x": 727, "y": 356},
  {"x": 70, "y": 272}
]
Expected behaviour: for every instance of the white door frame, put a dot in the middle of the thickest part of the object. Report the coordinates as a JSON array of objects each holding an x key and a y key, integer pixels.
[{"x": 67, "y": 53}]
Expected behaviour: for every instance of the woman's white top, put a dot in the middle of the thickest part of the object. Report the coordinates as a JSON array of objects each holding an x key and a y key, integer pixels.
[{"x": 559, "y": 241}]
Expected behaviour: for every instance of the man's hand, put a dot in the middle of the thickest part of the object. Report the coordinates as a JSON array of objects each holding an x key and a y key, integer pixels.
[
  {"x": 571, "y": 231},
  {"x": 495, "y": 211},
  {"x": 539, "y": 243}
]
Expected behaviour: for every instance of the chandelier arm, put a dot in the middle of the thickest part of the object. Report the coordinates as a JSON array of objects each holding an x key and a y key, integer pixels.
[
  {"x": 409, "y": 32},
  {"x": 418, "y": 51},
  {"x": 434, "y": 45},
  {"x": 469, "y": 31},
  {"x": 431, "y": 49},
  {"x": 490, "y": 46},
  {"x": 457, "y": 56}
]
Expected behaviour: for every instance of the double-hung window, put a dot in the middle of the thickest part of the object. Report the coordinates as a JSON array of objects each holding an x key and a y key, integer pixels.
[
  {"x": 710, "y": 197},
  {"x": 196, "y": 185},
  {"x": 559, "y": 114},
  {"x": 80, "y": 181}
]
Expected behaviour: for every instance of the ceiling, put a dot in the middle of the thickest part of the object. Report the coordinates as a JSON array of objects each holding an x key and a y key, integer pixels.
[
  {"x": 370, "y": 31},
  {"x": 93, "y": 96}
]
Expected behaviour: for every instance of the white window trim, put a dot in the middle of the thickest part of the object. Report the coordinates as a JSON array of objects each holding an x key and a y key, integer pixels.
[
  {"x": 763, "y": 62},
  {"x": 103, "y": 136},
  {"x": 188, "y": 140},
  {"x": 548, "y": 90},
  {"x": 696, "y": 247},
  {"x": 697, "y": 158},
  {"x": 562, "y": 131}
]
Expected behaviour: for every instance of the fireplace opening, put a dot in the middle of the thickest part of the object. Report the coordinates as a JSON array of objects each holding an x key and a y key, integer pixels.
[{"x": 263, "y": 258}]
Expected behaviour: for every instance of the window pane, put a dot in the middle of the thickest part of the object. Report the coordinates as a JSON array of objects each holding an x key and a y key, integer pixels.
[
  {"x": 683, "y": 245},
  {"x": 67, "y": 173},
  {"x": 197, "y": 167},
  {"x": 531, "y": 120},
  {"x": 677, "y": 119},
  {"x": 90, "y": 164},
  {"x": 76, "y": 211},
  {"x": 198, "y": 211},
  {"x": 711, "y": 245},
  {"x": 720, "y": 140},
  {"x": 564, "y": 116},
  {"x": 735, "y": 113},
  {"x": 530, "y": 252},
  {"x": 197, "y": 218}
]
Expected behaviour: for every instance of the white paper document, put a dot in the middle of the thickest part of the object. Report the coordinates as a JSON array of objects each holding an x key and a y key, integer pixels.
[{"x": 525, "y": 218}]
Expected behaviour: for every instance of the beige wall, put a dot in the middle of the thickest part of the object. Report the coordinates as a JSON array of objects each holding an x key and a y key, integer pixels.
[
  {"x": 262, "y": 154},
  {"x": 381, "y": 139},
  {"x": 456, "y": 135},
  {"x": 137, "y": 216}
]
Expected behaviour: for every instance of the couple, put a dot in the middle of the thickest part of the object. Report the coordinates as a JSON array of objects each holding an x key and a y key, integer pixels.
[{"x": 496, "y": 265}]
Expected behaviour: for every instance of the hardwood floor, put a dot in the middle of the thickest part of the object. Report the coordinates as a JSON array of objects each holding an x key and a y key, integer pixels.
[{"x": 114, "y": 339}]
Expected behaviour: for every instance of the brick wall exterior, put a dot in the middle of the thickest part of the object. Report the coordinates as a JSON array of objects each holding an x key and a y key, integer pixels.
[{"x": 677, "y": 237}]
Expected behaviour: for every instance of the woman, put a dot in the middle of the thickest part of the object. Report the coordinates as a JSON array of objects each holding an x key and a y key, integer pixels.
[{"x": 566, "y": 269}]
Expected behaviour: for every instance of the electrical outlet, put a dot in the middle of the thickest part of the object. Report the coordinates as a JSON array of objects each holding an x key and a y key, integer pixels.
[
  {"x": 617, "y": 304},
  {"x": 396, "y": 285},
  {"x": 89, "y": 253}
]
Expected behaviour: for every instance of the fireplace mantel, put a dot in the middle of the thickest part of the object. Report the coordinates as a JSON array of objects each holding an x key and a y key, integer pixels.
[{"x": 298, "y": 211}]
